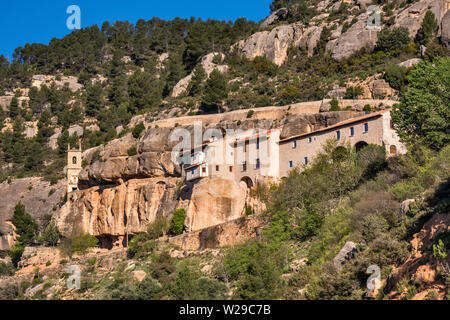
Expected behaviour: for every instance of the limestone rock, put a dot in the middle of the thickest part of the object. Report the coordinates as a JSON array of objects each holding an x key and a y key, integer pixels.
[
  {"x": 364, "y": 4},
  {"x": 37, "y": 197},
  {"x": 409, "y": 63},
  {"x": 280, "y": 14},
  {"x": 271, "y": 44},
  {"x": 445, "y": 30},
  {"x": 112, "y": 212},
  {"x": 310, "y": 38},
  {"x": 347, "y": 253},
  {"x": 381, "y": 89},
  {"x": 139, "y": 275},
  {"x": 214, "y": 201},
  {"x": 355, "y": 38},
  {"x": 404, "y": 207},
  {"x": 411, "y": 17}
]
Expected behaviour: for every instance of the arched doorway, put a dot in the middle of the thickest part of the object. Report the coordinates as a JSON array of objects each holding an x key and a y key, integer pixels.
[
  {"x": 392, "y": 149},
  {"x": 248, "y": 181},
  {"x": 360, "y": 145}
]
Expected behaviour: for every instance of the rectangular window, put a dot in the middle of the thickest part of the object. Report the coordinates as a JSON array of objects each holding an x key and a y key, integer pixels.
[
  {"x": 231, "y": 169},
  {"x": 203, "y": 170},
  {"x": 310, "y": 139},
  {"x": 217, "y": 168},
  {"x": 291, "y": 164},
  {"x": 244, "y": 166},
  {"x": 306, "y": 160},
  {"x": 258, "y": 164},
  {"x": 352, "y": 132},
  {"x": 366, "y": 127},
  {"x": 193, "y": 171},
  {"x": 294, "y": 144},
  {"x": 338, "y": 135},
  {"x": 257, "y": 144}
]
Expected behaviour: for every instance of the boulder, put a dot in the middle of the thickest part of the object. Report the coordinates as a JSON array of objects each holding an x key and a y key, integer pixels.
[
  {"x": 404, "y": 207},
  {"x": 347, "y": 253},
  {"x": 139, "y": 275},
  {"x": 409, "y": 63}
]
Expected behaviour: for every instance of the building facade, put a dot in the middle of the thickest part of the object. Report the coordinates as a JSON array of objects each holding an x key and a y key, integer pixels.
[
  {"x": 261, "y": 157},
  {"x": 74, "y": 167}
]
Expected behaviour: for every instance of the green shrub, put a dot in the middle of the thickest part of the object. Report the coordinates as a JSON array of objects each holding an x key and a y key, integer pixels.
[
  {"x": 83, "y": 243},
  {"x": 158, "y": 228},
  {"x": 137, "y": 130},
  {"x": 132, "y": 151},
  {"x": 51, "y": 235},
  {"x": 140, "y": 246},
  {"x": 334, "y": 105},
  {"x": 177, "y": 222},
  {"x": 396, "y": 76},
  {"x": 250, "y": 113},
  {"x": 6, "y": 269}
]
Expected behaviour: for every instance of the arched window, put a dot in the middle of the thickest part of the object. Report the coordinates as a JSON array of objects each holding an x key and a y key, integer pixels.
[
  {"x": 74, "y": 160},
  {"x": 393, "y": 149}
]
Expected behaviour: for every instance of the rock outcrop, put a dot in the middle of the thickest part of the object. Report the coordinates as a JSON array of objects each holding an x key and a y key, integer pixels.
[
  {"x": 347, "y": 253},
  {"x": 113, "y": 212},
  {"x": 214, "y": 201},
  {"x": 272, "y": 44},
  {"x": 38, "y": 196},
  {"x": 354, "y": 39}
]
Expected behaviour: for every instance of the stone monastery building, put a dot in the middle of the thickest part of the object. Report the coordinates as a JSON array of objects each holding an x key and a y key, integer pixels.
[{"x": 255, "y": 157}]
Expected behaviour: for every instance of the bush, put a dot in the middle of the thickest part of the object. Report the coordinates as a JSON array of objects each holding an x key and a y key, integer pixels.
[
  {"x": 15, "y": 252},
  {"x": 396, "y": 76},
  {"x": 140, "y": 246},
  {"x": 334, "y": 105},
  {"x": 6, "y": 269},
  {"x": 250, "y": 113},
  {"x": 177, "y": 222},
  {"x": 83, "y": 243},
  {"x": 393, "y": 39},
  {"x": 132, "y": 151},
  {"x": 257, "y": 269},
  {"x": 137, "y": 130},
  {"x": 51, "y": 235},
  {"x": 158, "y": 228}
]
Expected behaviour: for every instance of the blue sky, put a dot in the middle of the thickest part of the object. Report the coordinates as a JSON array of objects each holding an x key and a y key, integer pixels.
[{"x": 34, "y": 21}]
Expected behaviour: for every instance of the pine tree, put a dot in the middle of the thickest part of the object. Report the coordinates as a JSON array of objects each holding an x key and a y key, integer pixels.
[
  {"x": 215, "y": 91},
  {"x": 196, "y": 84},
  {"x": 428, "y": 29},
  {"x": 14, "y": 109}
]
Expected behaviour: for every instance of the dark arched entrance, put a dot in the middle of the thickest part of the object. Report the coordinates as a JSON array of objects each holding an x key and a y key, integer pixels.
[
  {"x": 360, "y": 145},
  {"x": 248, "y": 181}
]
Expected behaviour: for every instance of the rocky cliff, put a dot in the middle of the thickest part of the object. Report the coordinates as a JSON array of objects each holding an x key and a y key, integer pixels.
[{"x": 38, "y": 196}]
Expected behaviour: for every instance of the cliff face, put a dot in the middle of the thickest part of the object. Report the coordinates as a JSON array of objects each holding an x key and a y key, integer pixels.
[
  {"x": 111, "y": 212},
  {"x": 38, "y": 196}
]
